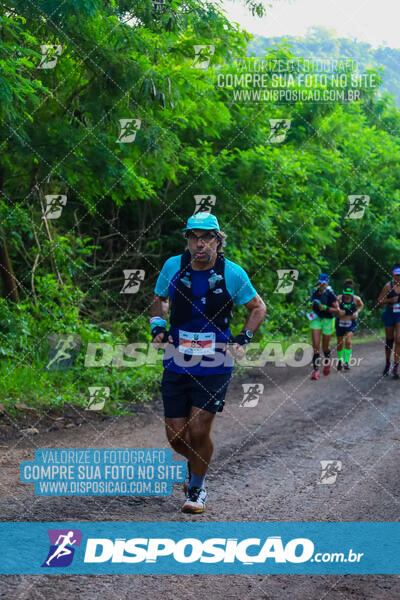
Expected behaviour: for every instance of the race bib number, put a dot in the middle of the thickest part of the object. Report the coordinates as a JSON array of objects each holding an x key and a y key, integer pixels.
[
  {"x": 196, "y": 343},
  {"x": 311, "y": 316},
  {"x": 343, "y": 323},
  {"x": 396, "y": 307}
]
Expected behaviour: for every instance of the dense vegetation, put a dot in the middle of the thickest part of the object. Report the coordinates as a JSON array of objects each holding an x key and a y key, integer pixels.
[{"x": 283, "y": 206}]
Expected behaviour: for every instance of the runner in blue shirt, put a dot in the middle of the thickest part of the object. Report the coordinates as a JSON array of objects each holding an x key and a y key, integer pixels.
[
  {"x": 202, "y": 286},
  {"x": 390, "y": 298}
]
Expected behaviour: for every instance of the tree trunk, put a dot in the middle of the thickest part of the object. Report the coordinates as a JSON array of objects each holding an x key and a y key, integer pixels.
[{"x": 6, "y": 270}]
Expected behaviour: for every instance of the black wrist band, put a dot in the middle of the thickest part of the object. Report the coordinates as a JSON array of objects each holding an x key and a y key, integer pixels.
[
  {"x": 240, "y": 339},
  {"x": 156, "y": 330}
]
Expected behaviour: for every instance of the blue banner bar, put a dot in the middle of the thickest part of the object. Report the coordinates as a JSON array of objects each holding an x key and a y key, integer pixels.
[{"x": 186, "y": 548}]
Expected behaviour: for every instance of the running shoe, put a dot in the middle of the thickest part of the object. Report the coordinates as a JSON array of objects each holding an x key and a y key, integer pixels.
[
  {"x": 315, "y": 374},
  {"x": 327, "y": 369},
  {"x": 386, "y": 369},
  {"x": 339, "y": 365},
  {"x": 195, "y": 501},
  {"x": 347, "y": 366},
  {"x": 395, "y": 372}
]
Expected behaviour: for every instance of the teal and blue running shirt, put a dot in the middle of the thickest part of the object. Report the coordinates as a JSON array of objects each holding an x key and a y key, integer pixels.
[{"x": 239, "y": 288}]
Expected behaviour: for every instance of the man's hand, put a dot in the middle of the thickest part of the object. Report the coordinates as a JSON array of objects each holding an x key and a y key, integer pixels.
[
  {"x": 236, "y": 351},
  {"x": 158, "y": 342},
  {"x": 236, "y": 347}
]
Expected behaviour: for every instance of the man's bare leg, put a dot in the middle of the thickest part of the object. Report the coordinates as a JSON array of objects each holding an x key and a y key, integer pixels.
[
  {"x": 201, "y": 445},
  {"x": 191, "y": 438},
  {"x": 201, "y": 449},
  {"x": 178, "y": 435}
]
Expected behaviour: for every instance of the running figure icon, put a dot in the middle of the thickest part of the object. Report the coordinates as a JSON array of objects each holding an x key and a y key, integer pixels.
[{"x": 62, "y": 549}]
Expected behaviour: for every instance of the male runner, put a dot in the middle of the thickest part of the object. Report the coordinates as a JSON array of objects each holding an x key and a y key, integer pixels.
[
  {"x": 323, "y": 305},
  {"x": 202, "y": 285},
  {"x": 390, "y": 296}
]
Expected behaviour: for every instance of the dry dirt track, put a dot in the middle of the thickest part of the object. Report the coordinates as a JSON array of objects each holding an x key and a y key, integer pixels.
[{"x": 265, "y": 467}]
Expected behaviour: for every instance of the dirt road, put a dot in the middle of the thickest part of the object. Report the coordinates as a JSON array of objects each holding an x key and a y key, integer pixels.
[{"x": 266, "y": 467}]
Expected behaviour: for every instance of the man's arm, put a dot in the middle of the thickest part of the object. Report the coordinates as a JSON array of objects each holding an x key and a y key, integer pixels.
[
  {"x": 160, "y": 308},
  {"x": 257, "y": 311}
]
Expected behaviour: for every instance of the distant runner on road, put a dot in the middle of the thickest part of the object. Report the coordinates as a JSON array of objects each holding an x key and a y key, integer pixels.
[
  {"x": 390, "y": 298},
  {"x": 350, "y": 307},
  {"x": 322, "y": 306},
  {"x": 202, "y": 286}
]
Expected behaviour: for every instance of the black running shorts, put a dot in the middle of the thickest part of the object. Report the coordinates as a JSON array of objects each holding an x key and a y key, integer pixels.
[{"x": 181, "y": 391}]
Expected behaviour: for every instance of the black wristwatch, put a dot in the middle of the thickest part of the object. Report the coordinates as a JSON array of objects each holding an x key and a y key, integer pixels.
[
  {"x": 248, "y": 333},
  {"x": 243, "y": 338}
]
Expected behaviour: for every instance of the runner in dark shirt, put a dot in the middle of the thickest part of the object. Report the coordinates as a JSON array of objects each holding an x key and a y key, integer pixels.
[
  {"x": 322, "y": 308},
  {"x": 350, "y": 307},
  {"x": 390, "y": 298}
]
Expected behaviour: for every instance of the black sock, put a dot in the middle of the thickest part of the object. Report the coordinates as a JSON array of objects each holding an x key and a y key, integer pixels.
[{"x": 314, "y": 360}]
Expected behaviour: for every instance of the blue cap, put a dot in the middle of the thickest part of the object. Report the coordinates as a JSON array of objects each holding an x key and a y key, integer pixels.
[
  {"x": 323, "y": 278},
  {"x": 202, "y": 220}
]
